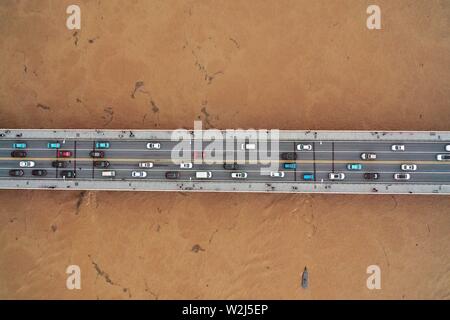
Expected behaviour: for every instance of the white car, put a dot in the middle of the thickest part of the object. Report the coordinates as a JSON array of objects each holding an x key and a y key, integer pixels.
[
  {"x": 239, "y": 175},
  {"x": 145, "y": 164},
  {"x": 138, "y": 174},
  {"x": 447, "y": 147},
  {"x": 26, "y": 164},
  {"x": 408, "y": 167},
  {"x": 368, "y": 156},
  {"x": 277, "y": 174},
  {"x": 402, "y": 176},
  {"x": 108, "y": 173},
  {"x": 185, "y": 165},
  {"x": 203, "y": 174},
  {"x": 248, "y": 146},
  {"x": 153, "y": 145},
  {"x": 443, "y": 157},
  {"x": 398, "y": 147},
  {"x": 336, "y": 176},
  {"x": 304, "y": 147}
]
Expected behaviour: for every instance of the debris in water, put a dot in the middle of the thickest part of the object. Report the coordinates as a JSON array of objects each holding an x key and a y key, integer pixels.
[{"x": 305, "y": 278}]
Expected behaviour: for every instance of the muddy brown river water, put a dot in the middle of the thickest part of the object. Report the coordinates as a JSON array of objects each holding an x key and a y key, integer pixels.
[{"x": 234, "y": 64}]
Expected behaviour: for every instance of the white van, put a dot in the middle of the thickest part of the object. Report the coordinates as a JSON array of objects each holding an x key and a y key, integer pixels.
[
  {"x": 203, "y": 174},
  {"x": 108, "y": 173},
  {"x": 248, "y": 146}
]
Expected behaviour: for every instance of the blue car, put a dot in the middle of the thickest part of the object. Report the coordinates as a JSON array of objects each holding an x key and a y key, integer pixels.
[
  {"x": 102, "y": 145},
  {"x": 354, "y": 166},
  {"x": 308, "y": 176},
  {"x": 19, "y": 145},
  {"x": 290, "y": 166},
  {"x": 54, "y": 145}
]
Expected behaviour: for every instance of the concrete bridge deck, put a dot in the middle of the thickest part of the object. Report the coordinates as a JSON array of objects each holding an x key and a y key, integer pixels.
[{"x": 331, "y": 151}]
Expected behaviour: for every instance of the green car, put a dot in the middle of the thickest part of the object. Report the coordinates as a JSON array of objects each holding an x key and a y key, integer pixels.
[
  {"x": 54, "y": 145},
  {"x": 19, "y": 145},
  {"x": 354, "y": 166},
  {"x": 102, "y": 145}
]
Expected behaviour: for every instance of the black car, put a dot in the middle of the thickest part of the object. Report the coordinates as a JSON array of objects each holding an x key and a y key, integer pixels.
[
  {"x": 289, "y": 156},
  {"x": 39, "y": 172},
  {"x": 230, "y": 166},
  {"x": 16, "y": 173},
  {"x": 97, "y": 154},
  {"x": 371, "y": 176},
  {"x": 68, "y": 174},
  {"x": 60, "y": 164},
  {"x": 172, "y": 175},
  {"x": 101, "y": 164},
  {"x": 18, "y": 154}
]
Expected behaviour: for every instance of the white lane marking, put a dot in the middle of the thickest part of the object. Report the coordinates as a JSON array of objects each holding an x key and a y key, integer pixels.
[
  {"x": 89, "y": 169},
  {"x": 107, "y": 179},
  {"x": 224, "y": 151},
  {"x": 258, "y": 162}
]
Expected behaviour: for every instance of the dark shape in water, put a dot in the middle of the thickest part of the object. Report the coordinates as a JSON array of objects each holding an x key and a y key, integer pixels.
[{"x": 305, "y": 278}]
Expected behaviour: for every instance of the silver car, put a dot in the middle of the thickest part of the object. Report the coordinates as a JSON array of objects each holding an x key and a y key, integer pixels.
[
  {"x": 408, "y": 167},
  {"x": 402, "y": 176},
  {"x": 304, "y": 147},
  {"x": 145, "y": 164},
  {"x": 336, "y": 176},
  {"x": 185, "y": 165},
  {"x": 153, "y": 145},
  {"x": 108, "y": 173},
  {"x": 443, "y": 157},
  {"x": 248, "y": 146},
  {"x": 27, "y": 164},
  {"x": 138, "y": 174},
  {"x": 239, "y": 175},
  {"x": 277, "y": 174},
  {"x": 203, "y": 174},
  {"x": 368, "y": 156},
  {"x": 398, "y": 147}
]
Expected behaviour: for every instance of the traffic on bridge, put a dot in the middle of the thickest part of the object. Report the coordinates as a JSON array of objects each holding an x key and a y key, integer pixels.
[{"x": 312, "y": 161}]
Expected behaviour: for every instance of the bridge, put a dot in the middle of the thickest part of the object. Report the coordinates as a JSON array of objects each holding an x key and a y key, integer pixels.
[{"x": 415, "y": 168}]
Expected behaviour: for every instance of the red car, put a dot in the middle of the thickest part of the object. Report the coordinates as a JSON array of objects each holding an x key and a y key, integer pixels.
[
  {"x": 64, "y": 153},
  {"x": 18, "y": 154}
]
